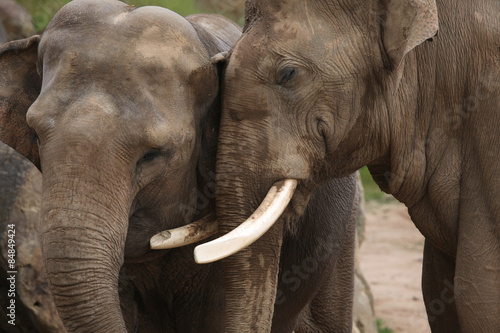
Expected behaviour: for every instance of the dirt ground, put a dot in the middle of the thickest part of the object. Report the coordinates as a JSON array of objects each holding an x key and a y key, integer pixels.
[{"x": 391, "y": 260}]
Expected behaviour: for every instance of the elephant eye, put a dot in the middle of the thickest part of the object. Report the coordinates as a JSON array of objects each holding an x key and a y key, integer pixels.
[
  {"x": 149, "y": 156},
  {"x": 287, "y": 74},
  {"x": 35, "y": 139}
]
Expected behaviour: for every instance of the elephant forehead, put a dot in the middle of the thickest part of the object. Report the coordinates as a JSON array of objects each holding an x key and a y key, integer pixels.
[
  {"x": 114, "y": 28},
  {"x": 95, "y": 117},
  {"x": 112, "y": 25},
  {"x": 311, "y": 30},
  {"x": 91, "y": 42},
  {"x": 138, "y": 63},
  {"x": 180, "y": 56},
  {"x": 147, "y": 55},
  {"x": 94, "y": 12}
]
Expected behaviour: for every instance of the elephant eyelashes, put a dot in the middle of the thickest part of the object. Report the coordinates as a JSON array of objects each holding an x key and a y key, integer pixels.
[{"x": 287, "y": 75}]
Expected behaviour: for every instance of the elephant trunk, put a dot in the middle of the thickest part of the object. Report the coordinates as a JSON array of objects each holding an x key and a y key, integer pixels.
[
  {"x": 250, "y": 275},
  {"x": 83, "y": 229}
]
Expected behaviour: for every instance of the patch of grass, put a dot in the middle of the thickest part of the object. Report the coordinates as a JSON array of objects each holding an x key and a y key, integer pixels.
[
  {"x": 42, "y": 11},
  {"x": 381, "y": 328}
]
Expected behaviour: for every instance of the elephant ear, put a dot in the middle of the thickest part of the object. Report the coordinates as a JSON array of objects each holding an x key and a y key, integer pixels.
[
  {"x": 20, "y": 86},
  {"x": 408, "y": 23}
]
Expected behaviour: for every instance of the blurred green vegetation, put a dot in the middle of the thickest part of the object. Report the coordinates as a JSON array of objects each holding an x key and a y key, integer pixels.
[
  {"x": 381, "y": 327},
  {"x": 42, "y": 11},
  {"x": 372, "y": 191}
]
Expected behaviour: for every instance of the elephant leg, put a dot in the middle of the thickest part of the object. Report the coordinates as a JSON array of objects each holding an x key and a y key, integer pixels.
[
  {"x": 437, "y": 287},
  {"x": 331, "y": 308},
  {"x": 477, "y": 274}
]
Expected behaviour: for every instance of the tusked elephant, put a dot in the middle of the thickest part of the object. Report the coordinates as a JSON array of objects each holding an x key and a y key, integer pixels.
[
  {"x": 119, "y": 107},
  {"x": 317, "y": 89}
]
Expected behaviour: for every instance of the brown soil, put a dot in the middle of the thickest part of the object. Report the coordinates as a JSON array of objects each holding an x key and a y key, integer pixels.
[{"x": 391, "y": 260}]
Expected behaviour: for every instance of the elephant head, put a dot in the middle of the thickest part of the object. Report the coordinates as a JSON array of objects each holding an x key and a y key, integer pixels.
[
  {"x": 302, "y": 85},
  {"x": 117, "y": 107}
]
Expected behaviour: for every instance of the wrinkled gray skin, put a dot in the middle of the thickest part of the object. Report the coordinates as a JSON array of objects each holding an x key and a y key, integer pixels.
[
  {"x": 20, "y": 196},
  {"x": 126, "y": 116},
  {"x": 317, "y": 89},
  {"x": 124, "y": 104},
  {"x": 3, "y": 34}
]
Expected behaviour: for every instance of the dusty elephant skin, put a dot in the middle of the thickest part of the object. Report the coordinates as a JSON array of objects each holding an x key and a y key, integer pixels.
[
  {"x": 3, "y": 34},
  {"x": 20, "y": 197},
  {"x": 123, "y": 122},
  {"x": 314, "y": 90}
]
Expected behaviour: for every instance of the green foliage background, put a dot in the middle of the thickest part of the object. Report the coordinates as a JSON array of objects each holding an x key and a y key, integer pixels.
[
  {"x": 381, "y": 327},
  {"x": 43, "y": 10},
  {"x": 372, "y": 191}
]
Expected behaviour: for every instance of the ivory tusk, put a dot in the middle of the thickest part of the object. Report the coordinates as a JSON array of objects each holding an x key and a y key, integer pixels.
[
  {"x": 253, "y": 228},
  {"x": 185, "y": 235}
]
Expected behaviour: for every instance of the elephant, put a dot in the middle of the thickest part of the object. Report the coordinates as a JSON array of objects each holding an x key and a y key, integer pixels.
[
  {"x": 119, "y": 107},
  {"x": 15, "y": 21},
  {"x": 315, "y": 90},
  {"x": 20, "y": 195},
  {"x": 3, "y": 34}
]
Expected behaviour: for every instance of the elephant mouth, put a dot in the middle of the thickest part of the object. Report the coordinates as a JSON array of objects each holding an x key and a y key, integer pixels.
[
  {"x": 143, "y": 237},
  {"x": 269, "y": 211},
  {"x": 300, "y": 200}
]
